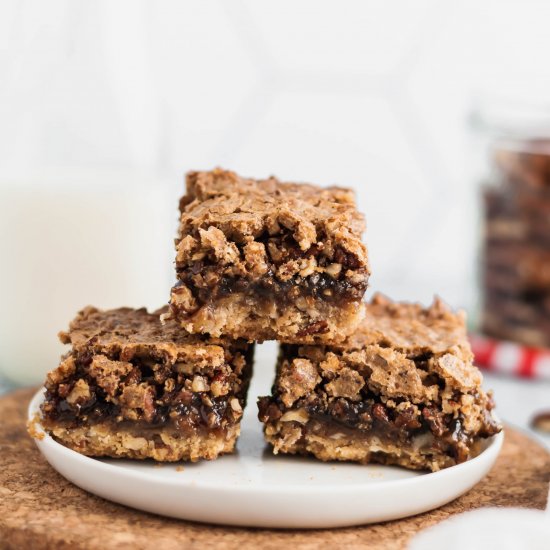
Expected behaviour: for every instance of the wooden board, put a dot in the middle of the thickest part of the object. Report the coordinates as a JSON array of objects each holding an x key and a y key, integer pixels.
[{"x": 41, "y": 510}]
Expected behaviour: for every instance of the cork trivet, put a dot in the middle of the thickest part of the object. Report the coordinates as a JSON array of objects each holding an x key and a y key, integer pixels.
[{"x": 41, "y": 510}]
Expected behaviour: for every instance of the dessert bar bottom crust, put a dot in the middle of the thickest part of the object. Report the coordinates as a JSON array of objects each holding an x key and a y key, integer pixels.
[
  {"x": 162, "y": 444},
  {"x": 240, "y": 316},
  {"x": 328, "y": 441}
]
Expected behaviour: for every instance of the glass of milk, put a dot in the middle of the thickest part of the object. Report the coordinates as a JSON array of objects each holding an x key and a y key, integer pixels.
[{"x": 71, "y": 239}]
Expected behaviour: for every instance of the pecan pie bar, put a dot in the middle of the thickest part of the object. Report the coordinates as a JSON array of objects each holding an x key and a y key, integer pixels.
[
  {"x": 402, "y": 390},
  {"x": 132, "y": 387},
  {"x": 261, "y": 260}
]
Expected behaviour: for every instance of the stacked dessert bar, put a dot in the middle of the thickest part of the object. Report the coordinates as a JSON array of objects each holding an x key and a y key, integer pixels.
[
  {"x": 266, "y": 260},
  {"x": 263, "y": 260},
  {"x": 133, "y": 387},
  {"x": 516, "y": 263}
]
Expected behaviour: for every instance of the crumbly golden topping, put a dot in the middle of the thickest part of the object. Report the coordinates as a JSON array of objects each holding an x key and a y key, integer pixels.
[
  {"x": 399, "y": 346},
  {"x": 413, "y": 329},
  {"x": 244, "y": 209},
  {"x": 128, "y": 332}
]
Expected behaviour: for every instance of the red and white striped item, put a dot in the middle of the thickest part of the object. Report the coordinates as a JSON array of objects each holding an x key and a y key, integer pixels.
[{"x": 510, "y": 358}]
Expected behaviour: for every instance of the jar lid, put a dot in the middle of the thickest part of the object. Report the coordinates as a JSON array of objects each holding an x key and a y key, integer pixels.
[{"x": 515, "y": 123}]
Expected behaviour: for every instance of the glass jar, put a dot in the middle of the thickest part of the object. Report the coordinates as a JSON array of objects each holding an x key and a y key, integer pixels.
[
  {"x": 514, "y": 275},
  {"x": 73, "y": 237}
]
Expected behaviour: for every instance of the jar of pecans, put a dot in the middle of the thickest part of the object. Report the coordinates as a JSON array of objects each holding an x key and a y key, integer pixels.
[{"x": 515, "y": 249}]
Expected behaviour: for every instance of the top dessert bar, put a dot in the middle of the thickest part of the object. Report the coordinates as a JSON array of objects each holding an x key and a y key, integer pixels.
[
  {"x": 262, "y": 259},
  {"x": 401, "y": 390},
  {"x": 132, "y": 387}
]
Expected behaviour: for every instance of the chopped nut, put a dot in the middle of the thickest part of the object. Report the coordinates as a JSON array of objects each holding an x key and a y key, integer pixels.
[
  {"x": 199, "y": 384},
  {"x": 219, "y": 388},
  {"x": 235, "y": 405},
  {"x": 108, "y": 374},
  {"x": 308, "y": 267},
  {"x": 435, "y": 421},
  {"x": 198, "y": 256},
  {"x": 380, "y": 413},
  {"x": 185, "y": 249},
  {"x": 275, "y": 252},
  {"x": 213, "y": 238},
  {"x": 63, "y": 372},
  {"x": 63, "y": 390},
  {"x": 334, "y": 270},
  {"x": 268, "y": 411},
  {"x": 239, "y": 363},
  {"x": 318, "y": 327},
  {"x": 138, "y": 397},
  {"x": 206, "y": 400},
  {"x": 297, "y": 379},
  {"x": 299, "y": 415},
  {"x": 183, "y": 367},
  {"x": 456, "y": 372},
  {"x": 134, "y": 443},
  {"x": 255, "y": 258},
  {"x": 79, "y": 393},
  {"x": 213, "y": 420},
  {"x": 304, "y": 231},
  {"x": 354, "y": 277},
  {"x": 287, "y": 270},
  {"x": 331, "y": 363},
  {"x": 348, "y": 384},
  {"x": 273, "y": 226},
  {"x": 183, "y": 298},
  {"x": 211, "y": 278},
  {"x": 408, "y": 418}
]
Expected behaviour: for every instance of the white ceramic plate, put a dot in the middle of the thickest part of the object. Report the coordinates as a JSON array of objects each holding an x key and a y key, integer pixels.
[{"x": 254, "y": 488}]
